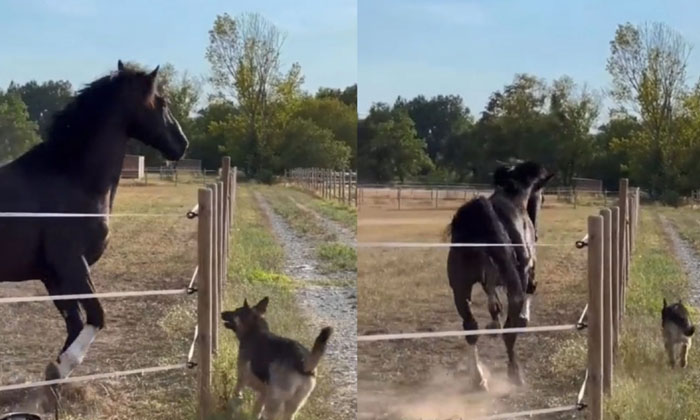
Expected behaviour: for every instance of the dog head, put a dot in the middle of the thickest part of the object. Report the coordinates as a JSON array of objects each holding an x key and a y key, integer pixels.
[
  {"x": 677, "y": 314},
  {"x": 247, "y": 318}
]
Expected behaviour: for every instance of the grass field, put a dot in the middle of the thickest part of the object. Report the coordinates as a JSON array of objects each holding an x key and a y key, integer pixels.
[{"x": 154, "y": 253}]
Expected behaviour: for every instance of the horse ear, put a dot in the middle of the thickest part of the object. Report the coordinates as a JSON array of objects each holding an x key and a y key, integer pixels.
[
  {"x": 245, "y": 303},
  {"x": 154, "y": 73},
  {"x": 665, "y": 304},
  {"x": 120, "y": 65},
  {"x": 549, "y": 176}
]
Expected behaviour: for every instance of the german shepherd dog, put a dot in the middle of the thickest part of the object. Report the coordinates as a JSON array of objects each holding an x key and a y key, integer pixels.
[
  {"x": 677, "y": 330},
  {"x": 281, "y": 371}
]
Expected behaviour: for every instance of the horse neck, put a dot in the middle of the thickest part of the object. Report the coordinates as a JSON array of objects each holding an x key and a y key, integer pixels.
[{"x": 101, "y": 162}]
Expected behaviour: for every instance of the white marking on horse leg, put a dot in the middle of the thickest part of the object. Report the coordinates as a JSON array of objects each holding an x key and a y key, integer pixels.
[
  {"x": 525, "y": 311},
  {"x": 475, "y": 367},
  {"x": 75, "y": 353}
]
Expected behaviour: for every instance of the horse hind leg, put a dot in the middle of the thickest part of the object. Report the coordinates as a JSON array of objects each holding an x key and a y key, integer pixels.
[
  {"x": 514, "y": 320},
  {"x": 73, "y": 275},
  {"x": 462, "y": 296}
]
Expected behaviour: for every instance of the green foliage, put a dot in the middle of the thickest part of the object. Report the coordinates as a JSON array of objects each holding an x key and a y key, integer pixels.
[
  {"x": 274, "y": 127},
  {"x": 43, "y": 100},
  {"x": 337, "y": 257},
  {"x": 390, "y": 147},
  {"x": 17, "y": 131}
]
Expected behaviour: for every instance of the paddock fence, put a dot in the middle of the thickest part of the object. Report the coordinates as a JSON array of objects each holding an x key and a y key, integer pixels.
[
  {"x": 326, "y": 183},
  {"x": 418, "y": 196},
  {"x": 609, "y": 241},
  {"x": 214, "y": 211}
]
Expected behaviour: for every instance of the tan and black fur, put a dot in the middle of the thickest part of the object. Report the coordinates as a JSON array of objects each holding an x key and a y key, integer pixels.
[
  {"x": 677, "y": 332},
  {"x": 280, "y": 370}
]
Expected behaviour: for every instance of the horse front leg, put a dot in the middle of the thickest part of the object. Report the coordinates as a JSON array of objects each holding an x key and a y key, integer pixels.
[
  {"x": 516, "y": 302},
  {"x": 73, "y": 277}
]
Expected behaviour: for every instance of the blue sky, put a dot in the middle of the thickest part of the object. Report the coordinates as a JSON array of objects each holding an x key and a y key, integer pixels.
[
  {"x": 79, "y": 40},
  {"x": 471, "y": 48}
]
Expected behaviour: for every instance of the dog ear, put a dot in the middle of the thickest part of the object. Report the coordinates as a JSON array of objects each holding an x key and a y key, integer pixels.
[{"x": 261, "y": 307}]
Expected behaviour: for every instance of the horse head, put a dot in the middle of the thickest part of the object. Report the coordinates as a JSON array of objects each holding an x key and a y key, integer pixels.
[
  {"x": 524, "y": 177},
  {"x": 148, "y": 118}
]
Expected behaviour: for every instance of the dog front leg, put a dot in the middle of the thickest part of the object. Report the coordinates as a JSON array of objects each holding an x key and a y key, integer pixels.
[
  {"x": 669, "y": 351},
  {"x": 258, "y": 406},
  {"x": 684, "y": 354}
]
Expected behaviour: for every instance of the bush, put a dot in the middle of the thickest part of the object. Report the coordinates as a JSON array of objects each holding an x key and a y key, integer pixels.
[
  {"x": 671, "y": 198},
  {"x": 266, "y": 176}
]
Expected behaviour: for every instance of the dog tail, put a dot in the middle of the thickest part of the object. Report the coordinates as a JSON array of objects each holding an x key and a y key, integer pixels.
[{"x": 318, "y": 350}]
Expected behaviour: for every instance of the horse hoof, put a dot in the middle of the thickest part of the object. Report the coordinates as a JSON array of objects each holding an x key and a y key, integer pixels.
[
  {"x": 480, "y": 385},
  {"x": 52, "y": 372},
  {"x": 516, "y": 377}
]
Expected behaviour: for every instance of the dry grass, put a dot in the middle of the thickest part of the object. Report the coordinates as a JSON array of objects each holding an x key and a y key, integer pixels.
[
  {"x": 144, "y": 253},
  {"x": 403, "y": 290}
]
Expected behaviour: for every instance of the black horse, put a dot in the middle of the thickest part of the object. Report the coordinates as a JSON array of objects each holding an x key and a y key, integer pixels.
[
  {"x": 508, "y": 216},
  {"x": 76, "y": 170}
]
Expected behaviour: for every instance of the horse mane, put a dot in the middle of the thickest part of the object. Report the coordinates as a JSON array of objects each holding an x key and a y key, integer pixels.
[{"x": 84, "y": 114}]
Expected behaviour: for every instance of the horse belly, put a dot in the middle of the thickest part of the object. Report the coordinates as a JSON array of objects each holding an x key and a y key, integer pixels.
[{"x": 20, "y": 251}]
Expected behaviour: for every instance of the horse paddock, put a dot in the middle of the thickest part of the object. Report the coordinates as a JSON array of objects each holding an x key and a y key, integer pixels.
[
  {"x": 144, "y": 253},
  {"x": 406, "y": 290}
]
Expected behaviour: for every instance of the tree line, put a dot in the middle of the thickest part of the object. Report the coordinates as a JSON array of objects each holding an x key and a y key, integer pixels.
[
  {"x": 651, "y": 135},
  {"x": 258, "y": 112}
]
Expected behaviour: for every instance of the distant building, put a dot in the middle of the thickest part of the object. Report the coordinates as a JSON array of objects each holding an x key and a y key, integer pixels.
[{"x": 134, "y": 167}]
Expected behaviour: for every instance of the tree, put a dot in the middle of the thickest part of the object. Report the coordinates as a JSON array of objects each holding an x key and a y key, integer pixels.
[
  {"x": 574, "y": 114},
  {"x": 17, "y": 131},
  {"x": 436, "y": 119},
  {"x": 648, "y": 67},
  {"x": 332, "y": 114},
  {"x": 393, "y": 148},
  {"x": 244, "y": 54},
  {"x": 308, "y": 145},
  {"x": 43, "y": 100},
  {"x": 348, "y": 96}
]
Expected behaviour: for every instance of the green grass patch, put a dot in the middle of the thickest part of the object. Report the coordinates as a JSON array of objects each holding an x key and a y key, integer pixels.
[
  {"x": 337, "y": 257},
  {"x": 255, "y": 272},
  {"x": 645, "y": 387}
]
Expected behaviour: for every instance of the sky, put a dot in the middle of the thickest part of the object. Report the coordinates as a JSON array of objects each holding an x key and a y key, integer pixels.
[
  {"x": 81, "y": 40},
  {"x": 472, "y": 48}
]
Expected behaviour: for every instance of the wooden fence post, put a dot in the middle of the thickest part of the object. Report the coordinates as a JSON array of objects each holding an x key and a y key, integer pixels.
[
  {"x": 204, "y": 300},
  {"x": 607, "y": 302},
  {"x": 226, "y": 176},
  {"x": 234, "y": 189},
  {"x": 595, "y": 317},
  {"x": 398, "y": 196},
  {"x": 215, "y": 271},
  {"x": 615, "y": 268},
  {"x": 222, "y": 243},
  {"x": 623, "y": 201}
]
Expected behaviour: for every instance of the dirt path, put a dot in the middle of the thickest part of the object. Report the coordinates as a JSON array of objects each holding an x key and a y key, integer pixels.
[
  {"x": 689, "y": 258},
  {"x": 344, "y": 235},
  {"x": 326, "y": 304}
]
